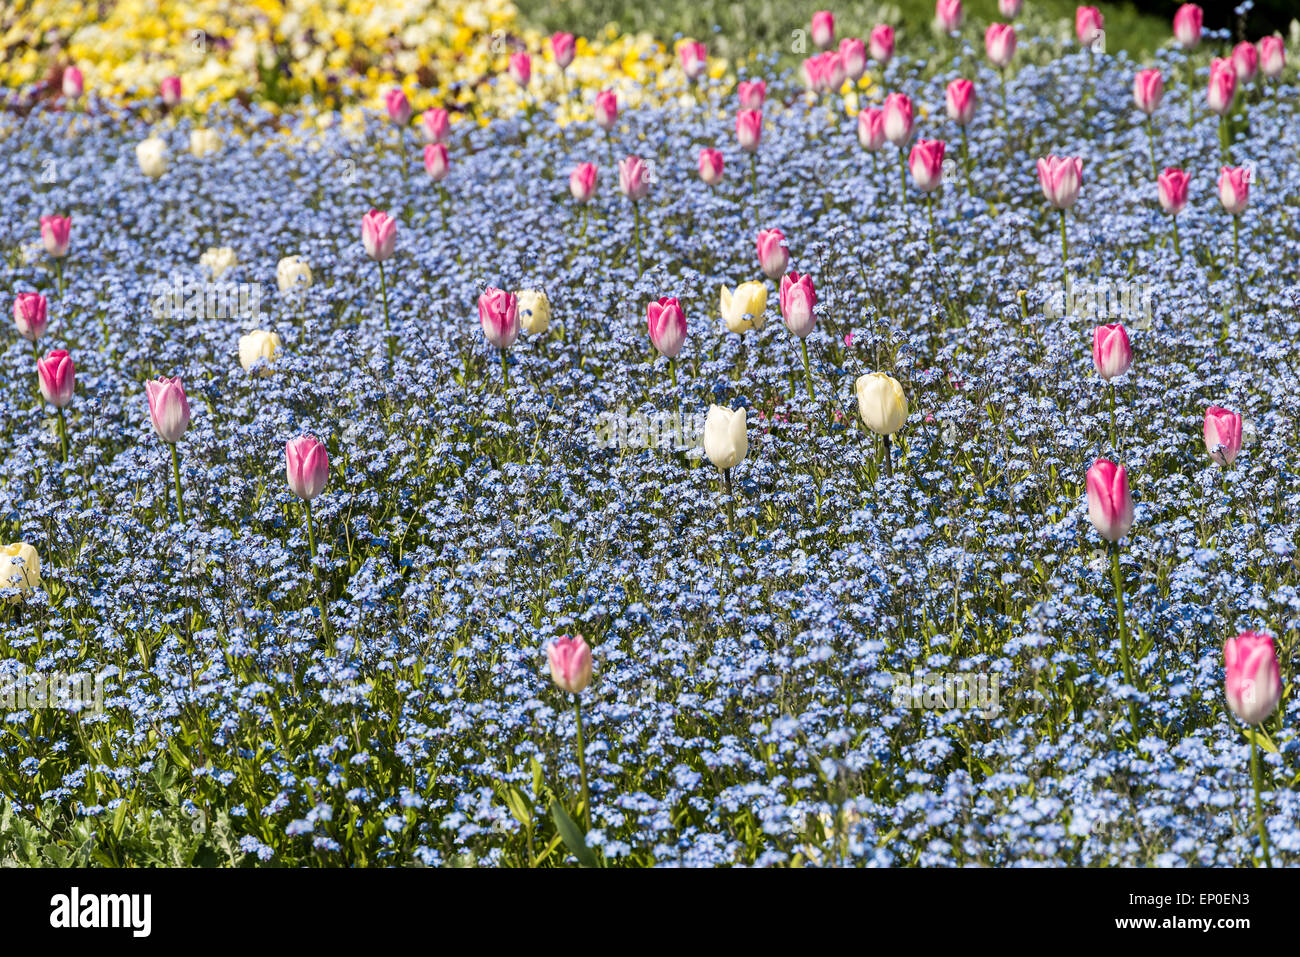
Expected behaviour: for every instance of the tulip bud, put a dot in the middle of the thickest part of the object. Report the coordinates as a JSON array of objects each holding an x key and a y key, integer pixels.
[
  {"x": 960, "y": 100},
  {"x": 744, "y": 308},
  {"x": 433, "y": 125},
  {"x": 751, "y": 93},
  {"x": 570, "y": 661},
  {"x": 307, "y": 466},
  {"x": 291, "y": 272},
  {"x": 606, "y": 109},
  {"x": 1172, "y": 186},
  {"x": 1148, "y": 89},
  {"x": 563, "y": 48},
  {"x": 1111, "y": 352},
  {"x": 20, "y": 571},
  {"x": 1010, "y": 8},
  {"x": 151, "y": 154},
  {"x": 853, "y": 54},
  {"x": 948, "y": 15},
  {"x": 1000, "y": 44},
  {"x": 823, "y": 29},
  {"x": 926, "y": 164},
  {"x": 170, "y": 90},
  {"x": 633, "y": 178},
  {"x": 1222, "y": 434},
  {"x": 1252, "y": 681},
  {"x": 31, "y": 315},
  {"x": 1272, "y": 56},
  {"x": 435, "y": 161},
  {"x": 1187, "y": 26},
  {"x": 168, "y": 408},
  {"x": 1089, "y": 25},
  {"x": 773, "y": 256},
  {"x": 694, "y": 57},
  {"x": 749, "y": 129},
  {"x": 73, "y": 83},
  {"x": 1234, "y": 189},
  {"x": 398, "y": 106},
  {"x": 498, "y": 314},
  {"x": 871, "y": 129},
  {"x": 881, "y": 402},
  {"x": 57, "y": 375},
  {"x": 1110, "y": 506},
  {"x": 797, "y": 299},
  {"x": 1222, "y": 87},
  {"x": 667, "y": 325},
  {"x": 1060, "y": 178},
  {"x": 534, "y": 311},
  {"x": 898, "y": 119},
  {"x": 219, "y": 260},
  {"x": 259, "y": 346},
  {"x": 521, "y": 68},
  {"x": 582, "y": 182},
  {"x": 726, "y": 439},
  {"x": 378, "y": 235},
  {"x": 204, "y": 142},
  {"x": 882, "y": 43},
  {"x": 55, "y": 234},
  {"x": 1245, "y": 61},
  {"x": 711, "y": 164}
]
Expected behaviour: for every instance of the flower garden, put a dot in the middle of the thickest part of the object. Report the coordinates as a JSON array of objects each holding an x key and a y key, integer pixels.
[{"x": 432, "y": 441}]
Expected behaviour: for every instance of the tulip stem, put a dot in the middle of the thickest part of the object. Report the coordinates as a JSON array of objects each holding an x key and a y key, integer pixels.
[
  {"x": 887, "y": 456},
  {"x": 1177, "y": 252},
  {"x": 1002, "y": 118},
  {"x": 1259, "y": 805},
  {"x": 636, "y": 231},
  {"x": 1114, "y": 445},
  {"x": 311, "y": 550},
  {"x": 1236, "y": 234},
  {"x": 1191, "y": 91},
  {"x": 388, "y": 329},
  {"x": 930, "y": 202},
  {"x": 902, "y": 165},
  {"x": 176, "y": 476},
  {"x": 63, "y": 435},
  {"x": 1224, "y": 138},
  {"x": 58, "y": 266},
  {"x": 672, "y": 370},
  {"x": 1125, "y": 659},
  {"x": 1065, "y": 256},
  {"x": 1151, "y": 143},
  {"x": 807, "y": 375},
  {"x": 582, "y": 766},
  {"x": 731, "y": 508},
  {"x": 505, "y": 372},
  {"x": 965, "y": 158},
  {"x": 753, "y": 185}
]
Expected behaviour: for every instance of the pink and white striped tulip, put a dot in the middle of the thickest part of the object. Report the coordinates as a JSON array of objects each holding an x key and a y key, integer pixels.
[
  {"x": 582, "y": 182},
  {"x": 667, "y": 325},
  {"x": 1222, "y": 434},
  {"x": 31, "y": 315},
  {"x": 633, "y": 178},
  {"x": 398, "y": 106},
  {"x": 498, "y": 314},
  {"x": 871, "y": 129},
  {"x": 378, "y": 235},
  {"x": 1245, "y": 61},
  {"x": 1187, "y": 26},
  {"x": 1222, "y": 86},
  {"x": 694, "y": 57},
  {"x": 307, "y": 466},
  {"x": 1172, "y": 186},
  {"x": 823, "y": 29},
  {"x": 564, "y": 48},
  {"x": 521, "y": 68},
  {"x": 1252, "y": 682},
  {"x": 773, "y": 256},
  {"x": 1110, "y": 505},
  {"x": 570, "y": 661},
  {"x": 56, "y": 232},
  {"x": 1111, "y": 353},
  {"x": 960, "y": 100},
  {"x": 898, "y": 119},
  {"x": 170, "y": 90},
  {"x": 1272, "y": 56},
  {"x": 433, "y": 124},
  {"x": 853, "y": 55},
  {"x": 1089, "y": 25},
  {"x": 948, "y": 14},
  {"x": 435, "y": 161},
  {"x": 798, "y": 297},
  {"x": 1234, "y": 189},
  {"x": 881, "y": 43},
  {"x": 1061, "y": 177},
  {"x": 751, "y": 94},
  {"x": 749, "y": 129},
  {"x": 1148, "y": 90},
  {"x": 1000, "y": 44},
  {"x": 606, "y": 109},
  {"x": 926, "y": 164},
  {"x": 169, "y": 410},
  {"x": 57, "y": 377},
  {"x": 711, "y": 164},
  {"x": 73, "y": 83}
]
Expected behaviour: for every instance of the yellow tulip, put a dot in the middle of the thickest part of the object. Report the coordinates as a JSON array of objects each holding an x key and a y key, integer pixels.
[
  {"x": 881, "y": 403},
  {"x": 23, "y": 577},
  {"x": 744, "y": 308}
]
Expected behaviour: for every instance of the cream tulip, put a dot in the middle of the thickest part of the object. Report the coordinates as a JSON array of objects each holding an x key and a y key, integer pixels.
[
  {"x": 258, "y": 345},
  {"x": 881, "y": 403},
  {"x": 151, "y": 154},
  {"x": 204, "y": 142},
  {"x": 23, "y": 577},
  {"x": 725, "y": 438},
  {"x": 534, "y": 310},
  {"x": 744, "y": 308},
  {"x": 291, "y": 272},
  {"x": 219, "y": 260}
]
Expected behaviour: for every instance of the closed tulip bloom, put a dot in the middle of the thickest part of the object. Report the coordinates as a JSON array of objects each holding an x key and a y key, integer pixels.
[
  {"x": 204, "y": 142},
  {"x": 1111, "y": 352},
  {"x": 57, "y": 378},
  {"x": 926, "y": 164},
  {"x": 1245, "y": 61},
  {"x": 435, "y": 161},
  {"x": 168, "y": 408},
  {"x": 744, "y": 308},
  {"x": 1060, "y": 178},
  {"x": 898, "y": 119},
  {"x": 534, "y": 308},
  {"x": 398, "y": 106},
  {"x": 170, "y": 90},
  {"x": 773, "y": 256},
  {"x": 751, "y": 94},
  {"x": 521, "y": 67},
  {"x": 606, "y": 109},
  {"x": 667, "y": 325},
  {"x": 633, "y": 178},
  {"x": 726, "y": 439},
  {"x": 797, "y": 301},
  {"x": 1222, "y": 434},
  {"x": 20, "y": 570},
  {"x": 498, "y": 313},
  {"x": 832, "y": 72},
  {"x": 1272, "y": 56},
  {"x": 711, "y": 164},
  {"x": 1148, "y": 89},
  {"x": 563, "y": 48},
  {"x": 960, "y": 100},
  {"x": 1252, "y": 681},
  {"x": 1222, "y": 87},
  {"x": 73, "y": 83},
  {"x": 749, "y": 129},
  {"x": 881, "y": 42},
  {"x": 31, "y": 315},
  {"x": 1010, "y": 8},
  {"x": 219, "y": 260},
  {"x": 1110, "y": 506},
  {"x": 56, "y": 232},
  {"x": 1234, "y": 189},
  {"x": 948, "y": 15},
  {"x": 307, "y": 466},
  {"x": 871, "y": 129},
  {"x": 570, "y": 661},
  {"x": 259, "y": 346},
  {"x": 1187, "y": 26},
  {"x": 582, "y": 182},
  {"x": 814, "y": 73},
  {"x": 434, "y": 125},
  {"x": 1000, "y": 44},
  {"x": 823, "y": 28},
  {"x": 694, "y": 57},
  {"x": 291, "y": 272},
  {"x": 151, "y": 154},
  {"x": 378, "y": 235},
  {"x": 1089, "y": 24},
  {"x": 881, "y": 402},
  {"x": 1172, "y": 185},
  {"x": 853, "y": 54}
]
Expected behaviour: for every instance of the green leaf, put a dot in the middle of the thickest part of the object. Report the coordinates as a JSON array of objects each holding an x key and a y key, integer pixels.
[
  {"x": 1261, "y": 739},
  {"x": 573, "y": 838}
]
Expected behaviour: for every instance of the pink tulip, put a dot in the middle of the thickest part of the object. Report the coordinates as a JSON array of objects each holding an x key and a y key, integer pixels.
[
  {"x": 521, "y": 68},
  {"x": 1272, "y": 56},
  {"x": 1111, "y": 352},
  {"x": 435, "y": 161},
  {"x": 168, "y": 408},
  {"x": 752, "y": 93},
  {"x": 633, "y": 178},
  {"x": 170, "y": 90},
  {"x": 563, "y": 48},
  {"x": 773, "y": 256},
  {"x": 749, "y": 129},
  {"x": 823, "y": 29},
  {"x": 55, "y": 234},
  {"x": 960, "y": 99},
  {"x": 1148, "y": 89},
  {"x": 1187, "y": 26},
  {"x": 948, "y": 14},
  {"x": 606, "y": 109},
  {"x": 711, "y": 166},
  {"x": 824, "y": 72},
  {"x": 1252, "y": 681},
  {"x": 853, "y": 54},
  {"x": 1060, "y": 178},
  {"x": 31, "y": 315},
  {"x": 882, "y": 43},
  {"x": 498, "y": 314},
  {"x": 57, "y": 377},
  {"x": 378, "y": 235},
  {"x": 307, "y": 465},
  {"x": 1222, "y": 434},
  {"x": 814, "y": 73},
  {"x": 1110, "y": 506},
  {"x": 1089, "y": 25},
  {"x": 582, "y": 182},
  {"x": 434, "y": 124},
  {"x": 1172, "y": 184},
  {"x": 1234, "y": 189},
  {"x": 570, "y": 661},
  {"x": 1000, "y": 44},
  {"x": 398, "y": 106},
  {"x": 73, "y": 83},
  {"x": 898, "y": 119},
  {"x": 667, "y": 325},
  {"x": 694, "y": 58},
  {"x": 797, "y": 301},
  {"x": 926, "y": 164},
  {"x": 1010, "y": 8},
  {"x": 1245, "y": 61},
  {"x": 871, "y": 129},
  {"x": 1223, "y": 86}
]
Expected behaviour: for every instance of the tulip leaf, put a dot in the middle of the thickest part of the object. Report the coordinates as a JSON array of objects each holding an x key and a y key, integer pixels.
[
  {"x": 572, "y": 835},
  {"x": 1260, "y": 738}
]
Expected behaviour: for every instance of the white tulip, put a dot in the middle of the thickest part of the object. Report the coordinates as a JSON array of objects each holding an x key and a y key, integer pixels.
[
  {"x": 151, "y": 154},
  {"x": 725, "y": 438}
]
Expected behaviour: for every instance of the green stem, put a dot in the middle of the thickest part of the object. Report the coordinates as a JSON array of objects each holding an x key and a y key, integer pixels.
[
  {"x": 176, "y": 476},
  {"x": 582, "y": 766},
  {"x": 388, "y": 329},
  {"x": 886, "y": 454},
  {"x": 1125, "y": 659},
  {"x": 58, "y": 265},
  {"x": 1259, "y": 804},
  {"x": 753, "y": 185},
  {"x": 505, "y": 372},
  {"x": 1177, "y": 252},
  {"x": 1151, "y": 142},
  {"x": 1191, "y": 91},
  {"x": 731, "y": 508},
  {"x": 930, "y": 202},
  {"x": 1236, "y": 238},
  {"x": 311, "y": 549},
  {"x": 807, "y": 375},
  {"x": 1113, "y": 445},
  {"x": 1002, "y": 73},
  {"x": 965, "y": 158},
  {"x": 63, "y": 435},
  {"x": 672, "y": 369},
  {"x": 902, "y": 165},
  {"x": 1065, "y": 256},
  {"x": 636, "y": 228}
]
